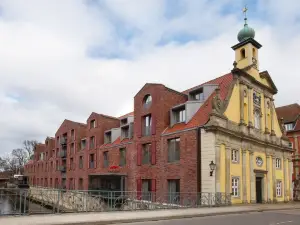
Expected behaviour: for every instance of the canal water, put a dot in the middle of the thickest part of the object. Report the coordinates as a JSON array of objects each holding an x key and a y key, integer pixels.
[{"x": 10, "y": 205}]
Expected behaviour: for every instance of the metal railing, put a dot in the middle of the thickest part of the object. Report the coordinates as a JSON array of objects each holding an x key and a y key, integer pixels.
[{"x": 37, "y": 200}]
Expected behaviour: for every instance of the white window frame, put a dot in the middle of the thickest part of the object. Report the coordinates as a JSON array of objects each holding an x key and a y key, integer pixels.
[
  {"x": 235, "y": 156},
  {"x": 289, "y": 126},
  {"x": 278, "y": 163},
  {"x": 279, "y": 188},
  {"x": 235, "y": 187}
]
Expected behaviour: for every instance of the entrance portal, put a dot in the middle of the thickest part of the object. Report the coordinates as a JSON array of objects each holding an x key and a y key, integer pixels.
[{"x": 259, "y": 189}]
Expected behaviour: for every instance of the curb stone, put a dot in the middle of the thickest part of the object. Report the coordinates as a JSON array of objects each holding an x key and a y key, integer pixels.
[{"x": 118, "y": 221}]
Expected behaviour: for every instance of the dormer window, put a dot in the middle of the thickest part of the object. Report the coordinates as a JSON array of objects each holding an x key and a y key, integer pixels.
[
  {"x": 125, "y": 132},
  {"x": 180, "y": 115},
  {"x": 124, "y": 121},
  {"x": 147, "y": 100},
  {"x": 93, "y": 124},
  {"x": 199, "y": 95},
  {"x": 289, "y": 126}
]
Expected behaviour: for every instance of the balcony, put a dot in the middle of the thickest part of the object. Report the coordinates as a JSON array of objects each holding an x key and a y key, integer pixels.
[
  {"x": 62, "y": 168},
  {"x": 63, "y": 141},
  {"x": 62, "y": 154}
]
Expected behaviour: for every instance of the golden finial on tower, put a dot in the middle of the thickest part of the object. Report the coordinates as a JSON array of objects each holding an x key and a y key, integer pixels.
[{"x": 245, "y": 9}]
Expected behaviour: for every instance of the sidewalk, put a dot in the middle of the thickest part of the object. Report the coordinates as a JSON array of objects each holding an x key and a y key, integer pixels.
[{"x": 137, "y": 216}]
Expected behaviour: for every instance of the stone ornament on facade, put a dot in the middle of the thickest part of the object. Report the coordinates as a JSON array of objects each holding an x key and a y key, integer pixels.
[{"x": 217, "y": 103}]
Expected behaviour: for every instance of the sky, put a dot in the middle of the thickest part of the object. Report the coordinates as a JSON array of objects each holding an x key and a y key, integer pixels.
[{"x": 66, "y": 59}]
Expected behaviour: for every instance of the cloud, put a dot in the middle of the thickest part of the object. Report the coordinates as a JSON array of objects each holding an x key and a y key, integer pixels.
[{"x": 66, "y": 59}]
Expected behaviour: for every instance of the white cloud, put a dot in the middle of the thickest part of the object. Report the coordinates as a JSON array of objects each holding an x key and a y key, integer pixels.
[{"x": 47, "y": 76}]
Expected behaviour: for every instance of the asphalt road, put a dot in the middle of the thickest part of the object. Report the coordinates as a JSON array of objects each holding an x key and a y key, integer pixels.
[{"x": 289, "y": 217}]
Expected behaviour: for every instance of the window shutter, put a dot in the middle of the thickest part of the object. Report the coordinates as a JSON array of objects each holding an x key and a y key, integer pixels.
[
  {"x": 153, "y": 125},
  {"x": 139, "y": 154},
  {"x": 153, "y": 190},
  {"x": 153, "y": 153},
  {"x": 139, "y": 188},
  {"x": 139, "y": 127}
]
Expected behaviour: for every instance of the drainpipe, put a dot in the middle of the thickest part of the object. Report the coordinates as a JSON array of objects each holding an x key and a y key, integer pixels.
[{"x": 199, "y": 184}]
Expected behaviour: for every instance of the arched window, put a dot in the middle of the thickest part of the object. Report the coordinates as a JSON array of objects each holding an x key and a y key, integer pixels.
[
  {"x": 257, "y": 119},
  {"x": 253, "y": 53},
  {"x": 243, "y": 53},
  {"x": 147, "y": 100}
]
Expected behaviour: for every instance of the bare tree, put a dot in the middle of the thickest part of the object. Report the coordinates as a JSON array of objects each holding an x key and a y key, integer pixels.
[
  {"x": 10, "y": 164},
  {"x": 21, "y": 156},
  {"x": 29, "y": 146}
]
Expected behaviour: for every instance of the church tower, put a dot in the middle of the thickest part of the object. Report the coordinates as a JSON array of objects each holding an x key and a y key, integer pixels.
[{"x": 246, "y": 51}]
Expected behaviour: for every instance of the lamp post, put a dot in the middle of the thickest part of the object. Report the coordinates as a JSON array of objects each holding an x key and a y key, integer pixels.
[{"x": 212, "y": 167}]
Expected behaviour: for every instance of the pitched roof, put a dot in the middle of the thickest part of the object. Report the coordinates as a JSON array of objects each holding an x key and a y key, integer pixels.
[
  {"x": 126, "y": 115},
  {"x": 202, "y": 115},
  {"x": 118, "y": 141},
  {"x": 289, "y": 113}
]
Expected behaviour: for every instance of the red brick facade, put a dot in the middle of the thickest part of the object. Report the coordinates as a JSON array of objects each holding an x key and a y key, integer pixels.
[
  {"x": 290, "y": 116},
  {"x": 57, "y": 169}
]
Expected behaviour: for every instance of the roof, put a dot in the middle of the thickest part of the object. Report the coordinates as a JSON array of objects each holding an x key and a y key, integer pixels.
[
  {"x": 202, "y": 115},
  {"x": 118, "y": 141},
  {"x": 126, "y": 115},
  {"x": 289, "y": 113}
]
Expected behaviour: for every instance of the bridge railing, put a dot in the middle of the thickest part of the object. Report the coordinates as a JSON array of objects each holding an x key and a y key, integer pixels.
[{"x": 44, "y": 200}]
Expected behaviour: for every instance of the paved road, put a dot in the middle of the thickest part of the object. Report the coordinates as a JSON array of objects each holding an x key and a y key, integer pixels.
[{"x": 264, "y": 218}]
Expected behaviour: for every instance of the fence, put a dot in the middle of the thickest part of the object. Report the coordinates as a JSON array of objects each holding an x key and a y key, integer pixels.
[{"x": 44, "y": 200}]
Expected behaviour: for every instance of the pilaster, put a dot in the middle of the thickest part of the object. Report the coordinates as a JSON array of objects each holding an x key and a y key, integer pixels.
[
  {"x": 266, "y": 115},
  {"x": 291, "y": 179},
  {"x": 252, "y": 178},
  {"x": 217, "y": 171},
  {"x": 272, "y": 115},
  {"x": 242, "y": 119},
  {"x": 269, "y": 185},
  {"x": 227, "y": 172},
  {"x": 274, "y": 177},
  {"x": 250, "y": 110},
  {"x": 244, "y": 175}
]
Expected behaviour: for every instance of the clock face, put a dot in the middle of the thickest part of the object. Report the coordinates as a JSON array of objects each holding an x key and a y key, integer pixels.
[{"x": 259, "y": 161}]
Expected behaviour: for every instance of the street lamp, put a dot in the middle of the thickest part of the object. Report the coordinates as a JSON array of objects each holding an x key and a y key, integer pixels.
[{"x": 212, "y": 167}]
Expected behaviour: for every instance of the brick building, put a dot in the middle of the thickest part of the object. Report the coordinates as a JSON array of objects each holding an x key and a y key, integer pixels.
[
  {"x": 222, "y": 136},
  {"x": 290, "y": 114}
]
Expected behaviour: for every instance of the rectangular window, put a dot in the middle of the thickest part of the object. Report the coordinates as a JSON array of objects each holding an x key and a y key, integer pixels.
[
  {"x": 279, "y": 188},
  {"x": 278, "y": 163},
  {"x": 92, "y": 161},
  {"x": 235, "y": 156},
  {"x": 291, "y": 144},
  {"x": 72, "y": 148},
  {"x": 125, "y": 132},
  {"x": 122, "y": 156},
  {"x": 92, "y": 124},
  {"x": 92, "y": 142},
  {"x": 146, "y": 154},
  {"x": 80, "y": 162},
  {"x": 71, "y": 164},
  {"x": 289, "y": 126},
  {"x": 199, "y": 96},
  {"x": 80, "y": 184},
  {"x": 83, "y": 144},
  {"x": 180, "y": 116},
  {"x": 106, "y": 160},
  {"x": 147, "y": 121},
  {"x": 107, "y": 137},
  {"x": 235, "y": 187},
  {"x": 72, "y": 134},
  {"x": 146, "y": 189},
  {"x": 174, "y": 150},
  {"x": 174, "y": 191}
]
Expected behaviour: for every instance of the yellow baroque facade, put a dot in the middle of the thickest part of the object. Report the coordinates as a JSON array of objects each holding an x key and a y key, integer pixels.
[{"x": 244, "y": 138}]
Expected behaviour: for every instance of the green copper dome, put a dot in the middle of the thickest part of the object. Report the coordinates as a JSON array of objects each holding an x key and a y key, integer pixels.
[{"x": 245, "y": 33}]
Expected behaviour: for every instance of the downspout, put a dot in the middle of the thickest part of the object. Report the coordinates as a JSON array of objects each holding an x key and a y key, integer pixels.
[{"x": 199, "y": 182}]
